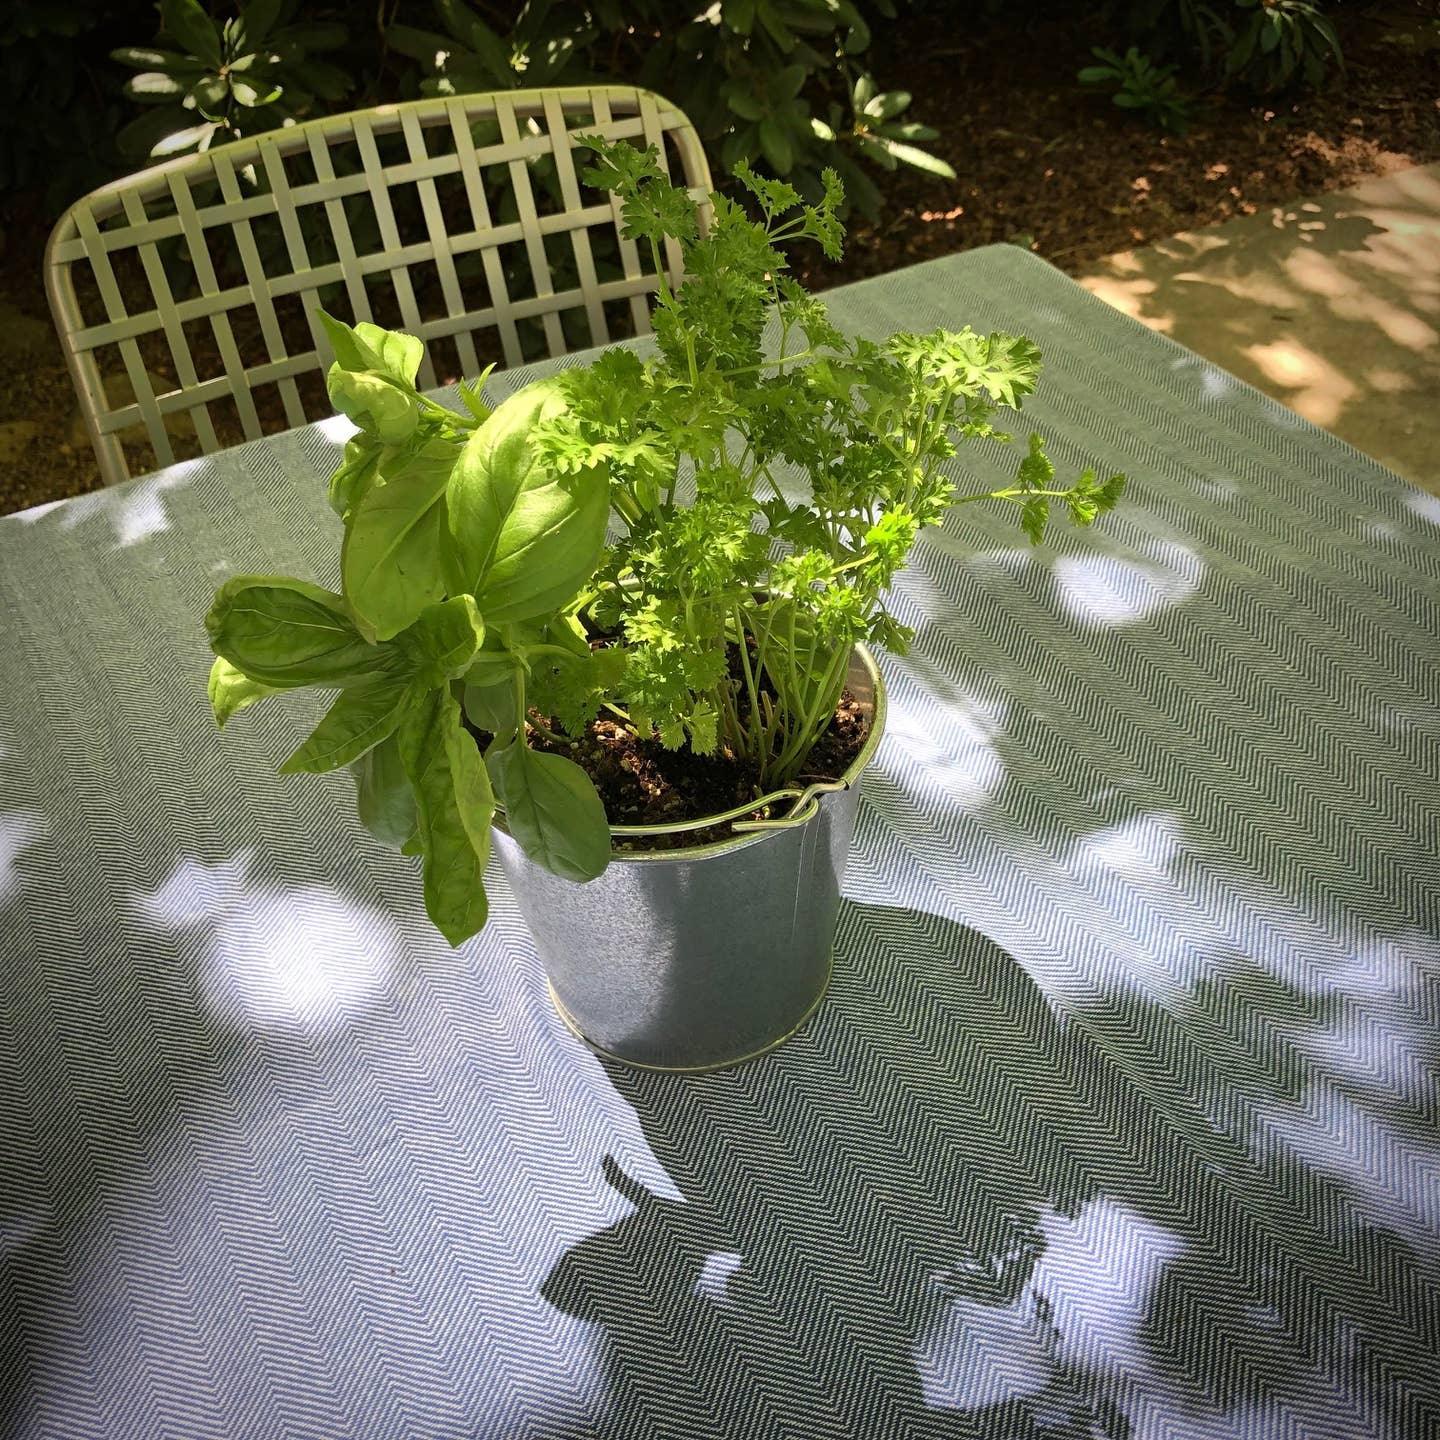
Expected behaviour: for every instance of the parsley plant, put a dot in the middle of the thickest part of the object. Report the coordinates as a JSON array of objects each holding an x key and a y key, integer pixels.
[{"x": 752, "y": 387}]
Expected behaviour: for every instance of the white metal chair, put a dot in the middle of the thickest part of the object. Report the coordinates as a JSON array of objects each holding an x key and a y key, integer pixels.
[{"x": 417, "y": 215}]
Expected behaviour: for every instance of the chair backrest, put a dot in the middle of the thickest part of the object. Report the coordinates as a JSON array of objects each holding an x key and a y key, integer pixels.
[{"x": 185, "y": 294}]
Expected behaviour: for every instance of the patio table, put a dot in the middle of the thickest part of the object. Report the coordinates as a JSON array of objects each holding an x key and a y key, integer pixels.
[{"x": 1120, "y": 1118}]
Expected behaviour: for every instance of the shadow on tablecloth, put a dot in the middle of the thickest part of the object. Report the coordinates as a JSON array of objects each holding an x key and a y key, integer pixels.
[{"x": 945, "y": 1210}]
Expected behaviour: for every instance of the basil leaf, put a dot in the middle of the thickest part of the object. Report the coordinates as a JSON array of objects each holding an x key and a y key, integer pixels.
[
  {"x": 492, "y": 707},
  {"x": 391, "y": 559},
  {"x": 399, "y": 354},
  {"x": 441, "y": 644},
  {"x": 369, "y": 347},
  {"x": 552, "y": 809},
  {"x": 355, "y": 475},
  {"x": 548, "y": 548},
  {"x": 352, "y": 352},
  {"x": 526, "y": 538},
  {"x": 365, "y": 714},
  {"x": 231, "y": 691},
  {"x": 383, "y": 797},
  {"x": 453, "y": 806},
  {"x": 378, "y": 404},
  {"x": 285, "y": 633},
  {"x": 491, "y": 666}
]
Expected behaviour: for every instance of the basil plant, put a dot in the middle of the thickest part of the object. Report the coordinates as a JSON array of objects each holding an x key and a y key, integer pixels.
[{"x": 461, "y": 560}]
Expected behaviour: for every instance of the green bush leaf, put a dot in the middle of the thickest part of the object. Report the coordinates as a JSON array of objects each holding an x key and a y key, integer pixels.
[
  {"x": 314, "y": 35},
  {"x": 743, "y": 102},
  {"x": 383, "y": 797},
  {"x": 888, "y": 105},
  {"x": 422, "y": 45},
  {"x": 552, "y": 810},
  {"x": 154, "y": 87},
  {"x": 186, "y": 22},
  {"x": 192, "y": 137},
  {"x": 776, "y": 146},
  {"x": 143, "y": 57},
  {"x": 525, "y": 537},
  {"x": 365, "y": 713},
  {"x": 391, "y": 560},
  {"x": 453, "y": 806},
  {"x": 285, "y": 633},
  {"x": 257, "y": 20},
  {"x": 231, "y": 690},
  {"x": 919, "y": 159},
  {"x": 252, "y": 97}
]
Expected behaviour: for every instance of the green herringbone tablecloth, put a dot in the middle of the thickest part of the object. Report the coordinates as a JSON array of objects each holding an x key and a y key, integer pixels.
[{"x": 1120, "y": 1119}]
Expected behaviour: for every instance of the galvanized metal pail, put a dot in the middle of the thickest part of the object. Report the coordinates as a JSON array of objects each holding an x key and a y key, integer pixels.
[{"x": 698, "y": 958}]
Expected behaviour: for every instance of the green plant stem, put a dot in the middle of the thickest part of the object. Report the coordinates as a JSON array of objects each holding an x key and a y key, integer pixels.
[
  {"x": 546, "y": 733},
  {"x": 1015, "y": 493}
]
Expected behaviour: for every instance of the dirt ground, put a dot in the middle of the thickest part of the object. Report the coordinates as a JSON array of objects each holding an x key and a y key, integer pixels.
[{"x": 1040, "y": 162}]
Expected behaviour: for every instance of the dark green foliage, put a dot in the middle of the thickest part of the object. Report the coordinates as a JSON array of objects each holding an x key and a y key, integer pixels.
[
  {"x": 206, "y": 81},
  {"x": 1262, "y": 45},
  {"x": 1278, "y": 42},
  {"x": 775, "y": 81},
  {"x": 781, "y": 83},
  {"x": 62, "y": 95},
  {"x": 758, "y": 77},
  {"x": 1136, "y": 83}
]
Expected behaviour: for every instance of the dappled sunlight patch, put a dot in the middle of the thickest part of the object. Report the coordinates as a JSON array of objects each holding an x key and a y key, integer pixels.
[
  {"x": 1321, "y": 392},
  {"x": 952, "y": 738},
  {"x": 1389, "y": 382},
  {"x": 1085, "y": 1309},
  {"x": 306, "y": 955},
  {"x": 1144, "y": 847},
  {"x": 1110, "y": 590},
  {"x": 1427, "y": 507},
  {"x": 976, "y": 1355},
  {"x": 1128, "y": 870},
  {"x": 136, "y": 509},
  {"x": 1390, "y": 1178},
  {"x": 336, "y": 428},
  {"x": 1098, "y": 1274},
  {"x": 1132, "y": 297},
  {"x": 716, "y": 1271},
  {"x": 1377, "y": 1047},
  {"x": 19, "y": 829}
]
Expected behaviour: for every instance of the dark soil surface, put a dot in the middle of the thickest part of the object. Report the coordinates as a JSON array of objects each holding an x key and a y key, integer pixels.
[
  {"x": 643, "y": 783},
  {"x": 1040, "y": 162}
]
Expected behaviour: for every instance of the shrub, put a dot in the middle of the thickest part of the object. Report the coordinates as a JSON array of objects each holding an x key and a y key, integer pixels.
[
  {"x": 1282, "y": 41},
  {"x": 783, "y": 83},
  {"x": 209, "y": 83},
  {"x": 1262, "y": 44},
  {"x": 1139, "y": 84}
]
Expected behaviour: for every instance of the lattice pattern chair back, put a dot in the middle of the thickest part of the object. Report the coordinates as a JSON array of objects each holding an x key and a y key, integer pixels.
[{"x": 185, "y": 294}]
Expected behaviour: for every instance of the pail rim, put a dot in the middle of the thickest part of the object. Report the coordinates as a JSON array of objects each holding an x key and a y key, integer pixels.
[{"x": 807, "y": 799}]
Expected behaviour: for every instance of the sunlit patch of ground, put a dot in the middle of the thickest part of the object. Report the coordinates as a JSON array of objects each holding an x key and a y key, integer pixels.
[{"x": 1331, "y": 305}]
